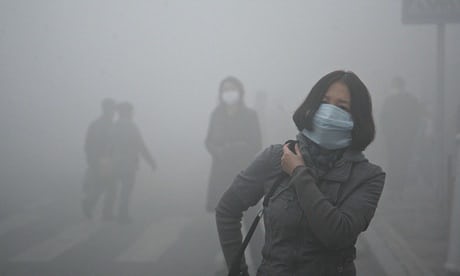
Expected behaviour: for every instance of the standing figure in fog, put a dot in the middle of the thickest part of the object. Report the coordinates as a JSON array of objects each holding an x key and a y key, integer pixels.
[
  {"x": 261, "y": 107},
  {"x": 233, "y": 140},
  {"x": 400, "y": 120},
  {"x": 457, "y": 127},
  {"x": 127, "y": 147},
  {"x": 99, "y": 174},
  {"x": 326, "y": 193}
]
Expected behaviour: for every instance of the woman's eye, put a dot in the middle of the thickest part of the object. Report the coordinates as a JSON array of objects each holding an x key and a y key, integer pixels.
[{"x": 344, "y": 108}]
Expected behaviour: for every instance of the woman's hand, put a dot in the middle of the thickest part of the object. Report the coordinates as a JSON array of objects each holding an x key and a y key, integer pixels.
[{"x": 290, "y": 160}]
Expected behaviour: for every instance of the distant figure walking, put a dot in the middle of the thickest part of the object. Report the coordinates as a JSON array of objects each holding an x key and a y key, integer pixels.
[
  {"x": 98, "y": 157},
  {"x": 458, "y": 119},
  {"x": 401, "y": 118},
  {"x": 127, "y": 147},
  {"x": 233, "y": 140}
]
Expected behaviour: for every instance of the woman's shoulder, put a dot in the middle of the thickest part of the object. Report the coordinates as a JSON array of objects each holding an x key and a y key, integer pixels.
[
  {"x": 360, "y": 161},
  {"x": 271, "y": 155},
  {"x": 274, "y": 151},
  {"x": 218, "y": 110},
  {"x": 368, "y": 169},
  {"x": 248, "y": 111}
]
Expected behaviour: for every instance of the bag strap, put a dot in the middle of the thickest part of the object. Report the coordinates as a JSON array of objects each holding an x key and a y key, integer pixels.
[{"x": 235, "y": 267}]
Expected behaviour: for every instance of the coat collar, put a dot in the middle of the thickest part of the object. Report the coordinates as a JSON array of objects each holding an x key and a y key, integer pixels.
[{"x": 342, "y": 169}]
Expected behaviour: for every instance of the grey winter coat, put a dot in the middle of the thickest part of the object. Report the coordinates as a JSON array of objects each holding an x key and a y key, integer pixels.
[{"x": 311, "y": 223}]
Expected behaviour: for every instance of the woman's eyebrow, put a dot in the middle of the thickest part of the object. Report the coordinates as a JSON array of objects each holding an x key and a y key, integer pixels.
[{"x": 344, "y": 101}]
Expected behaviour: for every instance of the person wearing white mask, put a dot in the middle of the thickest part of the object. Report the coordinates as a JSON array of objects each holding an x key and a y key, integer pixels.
[
  {"x": 319, "y": 195},
  {"x": 233, "y": 140}
]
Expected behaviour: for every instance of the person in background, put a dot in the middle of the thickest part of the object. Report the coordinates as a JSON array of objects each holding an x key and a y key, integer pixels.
[
  {"x": 98, "y": 157},
  {"x": 261, "y": 107},
  {"x": 127, "y": 147},
  {"x": 458, "y": 119},
  {"x": 233, "y": 139},
  {"x": 401, "y": 119},
  {"x": 328, "y": 191}
]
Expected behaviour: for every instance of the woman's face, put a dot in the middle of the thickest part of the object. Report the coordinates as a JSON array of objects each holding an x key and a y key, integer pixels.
[
  {"x": 230, "y": 94},
  {"x": 338, "y": 95}
]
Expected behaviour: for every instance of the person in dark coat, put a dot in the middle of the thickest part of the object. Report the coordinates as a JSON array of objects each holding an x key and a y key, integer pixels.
[
  {"x": 127, "y": 147},
  {"x": 458, "y": 119},
  {"x": 97, "y": 150},
  {"x": 233, "y": 140},
  {"x": 401, "y": 120},
  {"x": 328, "y": 193}
]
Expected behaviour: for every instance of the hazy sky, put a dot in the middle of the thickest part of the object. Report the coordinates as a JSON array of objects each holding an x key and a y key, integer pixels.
[{"x": 59, "y": 58}]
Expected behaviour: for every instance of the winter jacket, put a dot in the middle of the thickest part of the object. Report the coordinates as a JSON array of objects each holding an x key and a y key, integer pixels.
[{"x": 311, "y": 223}]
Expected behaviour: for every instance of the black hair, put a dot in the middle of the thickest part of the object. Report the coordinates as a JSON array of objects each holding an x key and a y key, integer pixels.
[{"x": 363, "y": 132}]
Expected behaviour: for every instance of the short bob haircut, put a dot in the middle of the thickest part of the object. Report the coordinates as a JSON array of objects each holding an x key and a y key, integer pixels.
[
  {"x": 236, "y": 83},
  {"x": 363, "y": 132}
]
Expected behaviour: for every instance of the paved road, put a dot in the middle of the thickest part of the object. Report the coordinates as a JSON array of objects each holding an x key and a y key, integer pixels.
[{"x": 55, "y": 239}]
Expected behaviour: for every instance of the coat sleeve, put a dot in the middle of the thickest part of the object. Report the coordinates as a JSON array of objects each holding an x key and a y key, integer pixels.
[
  {"x": 211, "y": 142},
  {"x": 338, "y": 227},
  {"x": 246, "y": 190},
  {"x": 143, "y": 149}
]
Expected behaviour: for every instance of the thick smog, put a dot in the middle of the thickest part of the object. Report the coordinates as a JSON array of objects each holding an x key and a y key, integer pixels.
[{"x": 144, "y": 137}]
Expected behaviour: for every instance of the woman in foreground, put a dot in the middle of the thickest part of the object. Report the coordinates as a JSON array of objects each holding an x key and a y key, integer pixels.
[{"x": 328, "y": 195}]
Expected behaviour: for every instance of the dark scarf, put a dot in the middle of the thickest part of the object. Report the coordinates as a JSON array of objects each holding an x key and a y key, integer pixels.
[{"x": 316, "y": 157}]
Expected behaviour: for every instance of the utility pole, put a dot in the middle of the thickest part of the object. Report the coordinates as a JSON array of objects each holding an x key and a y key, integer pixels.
[
  {"x": 453, "y": 252},
  {"x": 440, "y": 12}
]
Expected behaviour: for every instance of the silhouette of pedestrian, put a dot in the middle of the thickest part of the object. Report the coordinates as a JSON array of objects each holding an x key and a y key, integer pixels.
[
  {"x": 401, "y": 118},
  {"x": 233, "y": 140},
  {"x": 127, "y": 148},
  {"x": 98, "y": 157},
  {"x": 458, "y": 119}
]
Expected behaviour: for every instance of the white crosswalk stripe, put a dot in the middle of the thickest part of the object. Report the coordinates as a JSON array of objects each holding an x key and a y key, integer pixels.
[
  {"x": 53, "y": 247},
  {"x": 157, "y": 238}
]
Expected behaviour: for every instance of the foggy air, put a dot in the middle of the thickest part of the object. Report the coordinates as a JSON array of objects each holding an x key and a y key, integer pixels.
[{"x": 134, "y": 133}]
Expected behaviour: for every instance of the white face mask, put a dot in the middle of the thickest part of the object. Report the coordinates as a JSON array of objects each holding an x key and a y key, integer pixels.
[
  {"x": 231, "y": 97},
  {"x": 332, "y": 127}
]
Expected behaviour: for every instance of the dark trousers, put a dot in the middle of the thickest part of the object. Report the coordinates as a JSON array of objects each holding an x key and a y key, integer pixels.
[
  {"x": 124, "y": 181},
  {"x": 398, "y": 159},
  {"x": 95, "y": 184}
]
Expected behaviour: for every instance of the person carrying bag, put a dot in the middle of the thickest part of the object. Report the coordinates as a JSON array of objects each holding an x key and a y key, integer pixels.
[{"x": 328, "y": 192}]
